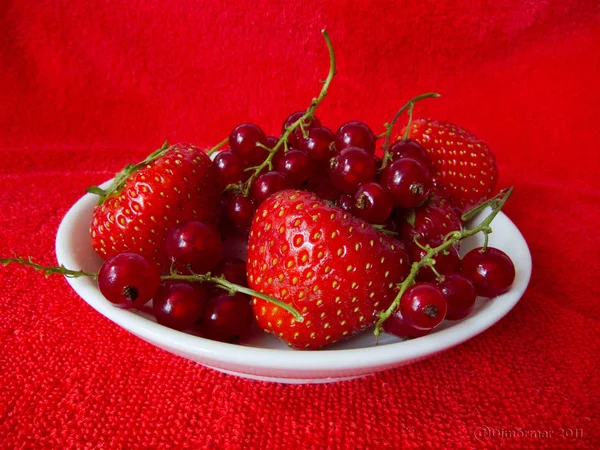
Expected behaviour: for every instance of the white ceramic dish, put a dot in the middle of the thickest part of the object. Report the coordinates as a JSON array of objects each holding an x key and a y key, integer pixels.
[{"x": 264, "y": 358}]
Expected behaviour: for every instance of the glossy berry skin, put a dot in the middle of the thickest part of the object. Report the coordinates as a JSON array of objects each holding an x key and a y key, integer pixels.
[
  {"x": 175, "y": 188},
  {"x": 243, "y": 142},
  {"x": 240, "y": 210},
  {"x": 128, "y": 280},
  {"x": 429, "y": 223},
  {"x": 296, "y": 165},
  {"x": 179, "y": 305},
  {"x": 226, "y": 318},
  {"x": 350, "y": 168},
  {"x": 444, "y": 262},
  {"x": 409, "y": 182},
  {"x": 372, "y": 203},
  {"x": 269, "y": 183},
  {"x": 460, "y": 295},
  {"x": 194, "y": 244},
  {"x": 397, "y": 326},
  {"x": 336, "y": 269},
  {"x": 232, "y": 269},
  {"x": 491, "y": 271},
  {"x": 423, "y": 306},
  {"x": 296, "y": 136},
  {"x": 229, "y": 168},
  {"x": 346, "y": 202},
  {"x": 463, "y": 165},
  {"x": 272, "y": 142},
  {"x": 410, "y": 149},
  {"x": 318, "y": 144},
  {"x": 355, "y": 134}
]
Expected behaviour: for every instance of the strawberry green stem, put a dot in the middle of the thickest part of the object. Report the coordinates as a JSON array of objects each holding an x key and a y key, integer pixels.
[
  {"x": 484, "y": 226},
  {"x": 390, "y": 126},
  {"x": 121, "y": 178},
  {"x": 306, "y": 118},
  {"x": 232, "y": 288},
  {"x": 48, "y": 270}
]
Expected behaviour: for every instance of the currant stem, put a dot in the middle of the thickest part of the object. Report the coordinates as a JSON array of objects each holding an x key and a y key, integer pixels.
[
  {"x": 232, "y": 287},
  {"x": 217, "y": 147},
  {"x": 390, "y": 126},
  {"x": 306, "y": 117},
  {"x": 452, "y": 238},
  {"x": 48, "y": 270}
]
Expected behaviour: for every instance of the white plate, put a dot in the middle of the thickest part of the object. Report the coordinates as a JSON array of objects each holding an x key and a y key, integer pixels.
[{"x": 262, "y": 357}]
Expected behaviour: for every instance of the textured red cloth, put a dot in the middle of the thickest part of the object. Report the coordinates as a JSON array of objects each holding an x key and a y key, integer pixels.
[{"x": 86, "y": 87}]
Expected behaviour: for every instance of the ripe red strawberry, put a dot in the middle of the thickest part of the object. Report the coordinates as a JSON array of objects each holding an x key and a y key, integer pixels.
[
  {"x": 172, "y": 186},
  {"x": 337, "y": 270},
  {"x": 465, "y": 167}
]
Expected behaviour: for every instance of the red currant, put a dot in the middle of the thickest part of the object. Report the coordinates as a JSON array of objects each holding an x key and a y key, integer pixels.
[
  {"x": 226, "y": 318},
  {"x": 460, "y": 295},
  {"x": 355, "y": 134},
  {"x": 423, "y": 306},
  {"x": 194, "y": 244},
  {"x": 346, "y": 202},
  {"x": 372, "y": 203},
  {"x": 240, "y": 210},
  {"x": 409, "y": 182},
  {"x": 244, "y": 140},
  {"x": 296, "y": 136},
  {"x": 128, "y": 280},
  {"x": 350, "y": 168},
  {"x": 232, "y": 269},
  {"x": 491, "y": 271},
  {"x": 444, "y": 262},
  {"x": 178, "y": 304},
  {"x": 295, "y": 165},
  {"x": 407, "y": 148},
  {"x": 396, "y": 325},
  {"x": 229, "y": 168},
  {"x": 318, "y": 143},
  {"x": 269, "y": 183}
]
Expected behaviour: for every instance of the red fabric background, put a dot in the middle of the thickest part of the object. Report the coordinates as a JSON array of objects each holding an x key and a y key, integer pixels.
[{"x": 86, "y": 87}]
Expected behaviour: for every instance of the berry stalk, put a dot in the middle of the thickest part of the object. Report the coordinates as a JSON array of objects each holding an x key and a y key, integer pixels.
[
  {"x": 387, "y": 157},
  {"x": 217, "y": 147},
  {"x": 307, "y": 116},
  {"x": 495, "y": 203},
  {"x": 48, "y": 270}
]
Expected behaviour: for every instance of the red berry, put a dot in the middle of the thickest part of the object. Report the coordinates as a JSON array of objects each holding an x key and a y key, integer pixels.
[
  {"x": 410, "y": 149},
  {"x": 396, "y": 325},
  {"x": 355, "y": 134},
  {"x": 128, "y": 280},
  {"x": 178, "y": 304},
  {"x": 350, "y": 168},
  {"x": 194, "y": 244},
  {"x": 229, "y": 168},
  {"x": 409, "y": 182},
  {"x": 296, "y": 136},
  {"x": 269, "y": 183},
  {"x": 423, "y": 306},
  {"x": 272, "y": 142},
  {"x": 460, "y": 295},
  {"x": 232, "y": 269},
  {"x": 226, "y": 318},
  {"x": 373, "y": 203},
  {"x": 295, "y": 165},
  {"x": 346, "y": 202},
  {"x": 318, "y": 144},
  {"x": 444, "y": 262},
  {"x": 491, "y": 271},
  {"x": 240, "y": 211},
  {"x": 244, "y": 140}
]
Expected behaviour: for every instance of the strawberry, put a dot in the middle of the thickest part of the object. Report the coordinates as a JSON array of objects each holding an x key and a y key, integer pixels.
[
  {"x": 146, "y": 200},
  {"x": 334, "y": 268},
  {"x": 465, "y": 167}
]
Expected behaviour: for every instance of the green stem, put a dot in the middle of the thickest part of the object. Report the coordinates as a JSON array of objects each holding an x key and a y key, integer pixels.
[
  {"x": 410, "y": 116},
  {"x": 496, "y": 203},
  {"x": 306, "y": 117},
  {"x": 390, "y": 126},
  {"x": 48, "y": 270},
  {"x": 217, "y": 147},
  {"x": 232, "y": 287}
]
